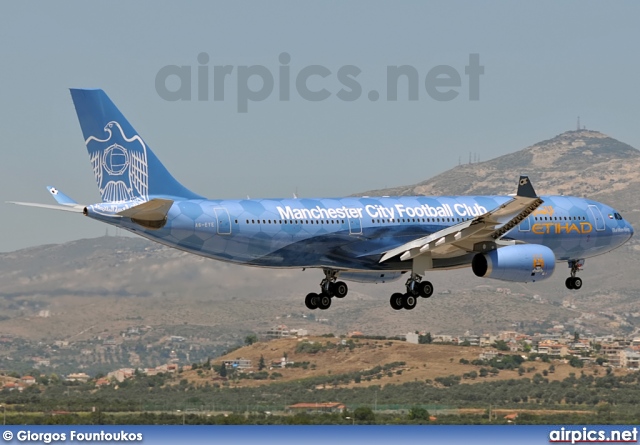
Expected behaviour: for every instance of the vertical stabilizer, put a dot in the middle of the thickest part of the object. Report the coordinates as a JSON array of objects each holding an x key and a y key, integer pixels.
[{"x": 124, "y": 166}]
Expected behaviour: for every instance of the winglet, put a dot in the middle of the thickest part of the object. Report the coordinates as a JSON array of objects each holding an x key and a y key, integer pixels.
[
  {"x": 60, "y": 197},
  {"x": 525, "y": 189}
]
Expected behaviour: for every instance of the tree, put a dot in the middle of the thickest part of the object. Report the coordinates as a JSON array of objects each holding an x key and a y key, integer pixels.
[
  {"x": 604, "y": 411},
  {"x": 261, "y": 364},
  {"x": 250, "y": 339},
  {"x": 576, "y": 362},
  {"x": 576, "y": 336},
  {"x": 364, "y": 414},
  {"x": 425, "y": 339},
  {"x": 223, "y": 370},
  {"x": 601, "y": 360},
  {"x": 501, "y": 345},
  {"x": 418, "y": 413}
]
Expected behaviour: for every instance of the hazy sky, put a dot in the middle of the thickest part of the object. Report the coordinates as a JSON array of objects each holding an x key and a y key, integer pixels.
[{"x": 544, "y": 63}]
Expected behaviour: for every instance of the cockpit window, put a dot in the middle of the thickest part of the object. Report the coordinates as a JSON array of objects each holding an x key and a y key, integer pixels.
[{"x": 617, "y": 216}]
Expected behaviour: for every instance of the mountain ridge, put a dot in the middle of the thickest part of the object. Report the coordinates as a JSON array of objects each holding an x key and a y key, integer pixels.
[
  {"x": 579, "y": 162},
  {"x": 116, "y": 278}
]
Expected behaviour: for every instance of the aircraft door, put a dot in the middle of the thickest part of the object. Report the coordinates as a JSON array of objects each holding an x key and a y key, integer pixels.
[
  {"x": 223, "y": 221},
  {"x": 597, "y": 218},
  {"x": 525, "y": 225},
  {"x": 355, "y": 226}
]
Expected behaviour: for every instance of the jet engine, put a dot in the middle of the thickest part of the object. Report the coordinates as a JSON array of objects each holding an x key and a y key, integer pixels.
[{"x": 520, "y": 263}]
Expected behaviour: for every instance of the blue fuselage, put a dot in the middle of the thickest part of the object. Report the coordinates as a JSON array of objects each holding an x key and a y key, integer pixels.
[{"x": 352, "y": 233}]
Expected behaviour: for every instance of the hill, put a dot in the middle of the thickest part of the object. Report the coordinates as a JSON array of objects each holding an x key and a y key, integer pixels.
[
  {"x": 579, "y": 163},
  {"x": 89, "y": 290},
  {"x": 379, "y": 362}
]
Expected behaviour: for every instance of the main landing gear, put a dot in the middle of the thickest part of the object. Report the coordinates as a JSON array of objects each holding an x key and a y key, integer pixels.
[
  {"x": 330, "y": 288},
  {"x": 574, "y": 282},
  {"x": 415, "y": 288}
]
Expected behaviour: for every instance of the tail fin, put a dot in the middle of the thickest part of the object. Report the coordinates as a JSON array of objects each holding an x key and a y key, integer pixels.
[{"x": 124, "y": 166}]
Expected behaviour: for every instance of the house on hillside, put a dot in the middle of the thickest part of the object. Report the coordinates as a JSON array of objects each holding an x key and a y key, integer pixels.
[
  {"x": 630, "y": 359},
  {"x": 280, "y": 331},
  {"x": 511, "y": 417},
  {"x": 28, "y": 380},
  {"x": 121, "y": 374},
  {"x": 239, "y": 363},
  {"x": 442, "y": 338},
  {"x": 12, "y": 386},
  {"x": 412, "y": 338},
  {"x": 327, "y": 407},
  {"x": 78, "y": 377}
]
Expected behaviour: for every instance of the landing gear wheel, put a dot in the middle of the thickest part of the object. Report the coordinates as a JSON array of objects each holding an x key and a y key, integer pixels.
[
  {"x": 324, "y": 302},
  {"x": 569, "y": 283},
  {"x": 425, "y": 289},
  {"x": 409, "y": 301},
  {"x": 396, "y": 301},
  {"x": 573, "y": 283},
  {"x": 577, "y": 283},
  {"x": 339, "y": 289},
  {"x": 311, "y": 301}
]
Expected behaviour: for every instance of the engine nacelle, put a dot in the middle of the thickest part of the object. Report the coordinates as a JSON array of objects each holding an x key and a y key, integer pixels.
[{"x": 521, "y": 263}]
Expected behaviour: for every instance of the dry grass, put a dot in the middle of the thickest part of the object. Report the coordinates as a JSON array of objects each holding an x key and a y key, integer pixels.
[{"x": 423, "y": 362}]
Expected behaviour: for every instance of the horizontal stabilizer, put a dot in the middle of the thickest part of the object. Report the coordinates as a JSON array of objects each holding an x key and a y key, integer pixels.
[
  {"x": 66, "y": 208},
  {"x": 151, "y": 214},
  {"x": 65, "y": 203}
]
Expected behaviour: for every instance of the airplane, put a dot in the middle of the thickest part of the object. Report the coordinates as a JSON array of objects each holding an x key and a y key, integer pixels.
[{"x": 517, "y": 238}]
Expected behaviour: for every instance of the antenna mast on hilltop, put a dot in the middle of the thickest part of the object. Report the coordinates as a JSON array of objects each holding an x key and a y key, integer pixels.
[{"x": 578, "y": 128}]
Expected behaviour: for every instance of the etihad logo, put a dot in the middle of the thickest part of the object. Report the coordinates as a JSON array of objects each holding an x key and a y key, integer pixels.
[
  {"x": 556, "y": 228},
  {"x": 544, "y": 211}
]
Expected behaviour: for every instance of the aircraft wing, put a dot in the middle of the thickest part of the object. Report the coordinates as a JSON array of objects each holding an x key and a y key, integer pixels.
[{"x": 463, "y": 237}]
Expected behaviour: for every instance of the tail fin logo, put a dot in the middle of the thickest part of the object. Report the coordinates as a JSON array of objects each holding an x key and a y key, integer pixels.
[{"x": 119, "y": 165}]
